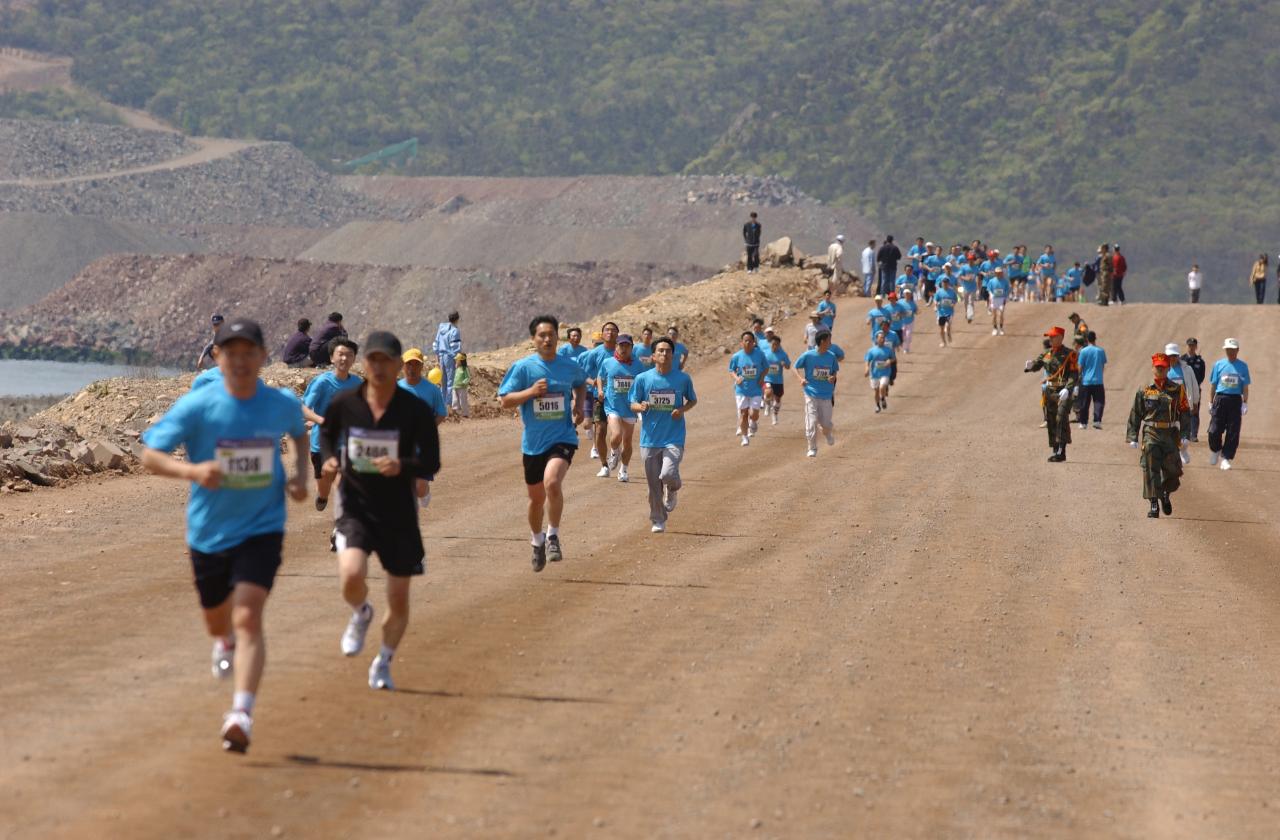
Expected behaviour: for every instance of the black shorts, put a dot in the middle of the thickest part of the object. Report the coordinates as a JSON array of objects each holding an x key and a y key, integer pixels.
[
  {"x": 535, "y": 466},
  {"x": 776, "y": 388},
  {"x": 317, "y": 463},
  {"x": 255, "y": 560},
  {"x": 399, "y": 547},
  {"x": 943, "y": 320},
  {"x": 597, "y": 411}
]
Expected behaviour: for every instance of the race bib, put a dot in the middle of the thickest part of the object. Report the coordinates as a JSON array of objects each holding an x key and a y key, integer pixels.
[
  {"x": 774, "y": 370},
  {"x": 549, "y": 407},
  {"x": 663, "y": 399},
  {"x": 749, "y": 372},
  {"x": 822, "y": 374},
  {"x": 622, "y": 384},
  {"x": 247, "y": 464},
  {"x": 1229, "y": 380},
  {"x": 366, "y": 445}
]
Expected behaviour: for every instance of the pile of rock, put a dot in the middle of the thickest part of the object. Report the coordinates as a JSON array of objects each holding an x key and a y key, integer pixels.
[
  {"x": 39, "y": 150},
  {"x": 757, "y": 191},
  {"x": 782, "y": 253},
  {"x": 48, "y": 455}
]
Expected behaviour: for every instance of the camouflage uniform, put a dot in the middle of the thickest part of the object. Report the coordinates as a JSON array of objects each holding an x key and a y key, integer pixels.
[
  {"x": 1159, "y": 411},
  {"x": 1062, "y": 369},
  {"x": 1106, "y": 270}
]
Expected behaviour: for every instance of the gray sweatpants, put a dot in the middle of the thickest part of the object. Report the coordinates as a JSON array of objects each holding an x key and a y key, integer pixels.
[{"x": 661, "y": 470}]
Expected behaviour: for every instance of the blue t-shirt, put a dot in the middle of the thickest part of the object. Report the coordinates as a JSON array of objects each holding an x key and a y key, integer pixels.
[
  {"x": 934, "y": 265},
  {"x": 750, "y": 366},
  {"x": 818, "y": 369},
  {"x": 643, "y": 353},
  {"x": 1229, "y": 377},
  {"x": 591, "y": 361},
  {"x": 904, "y": 280},
  {"x": 874, "y": 316},
  {"x": 997, "y": 287},
  {"x": 1092, "y": 360},
  {"x": 1048, "y": 264},
  {"x": 1074, "y": 278},
  {"x": 574, "y": 353},
  {"x": 828, "y": 310},
  {"x": 945, "y": 302},
  {"x": 968, "y": 278},
  {"x": 916, "y": 252},
  {"x": 663, "y": 394},
  {"x": 320, "y": 392},
  {"x": 775, "y": 363},
  {"x": 761, "y": 341},
  {"x": 244, "y": 437},
  {"x": 881, "y": 359},
  {"x": 429, "y": 394},
  {"x": 617, "y": 380},
  {"x": 680, "y": 355},
  {"x": 1013, "y": 267},
  {"x": 547, "y": 419},
  {"x": 908, "y": 308},
  {"x": 1061, "y": 287},
  {"x": 988, "y": 267},
  {"x": 207, "y": 377}
]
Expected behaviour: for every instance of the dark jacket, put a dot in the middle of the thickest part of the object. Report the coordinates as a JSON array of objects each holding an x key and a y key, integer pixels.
[
  {"x": 889, "y": 255},
  {"x": 751, "y": 233},
  {"x": 1196, "y": 363},
  {"x": 297, "y": 349},
  {"x": 320, "y": 343}
]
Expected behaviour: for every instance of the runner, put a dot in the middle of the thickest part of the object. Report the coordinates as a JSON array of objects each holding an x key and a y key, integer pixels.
[
  {"x": 315, "y": 402},
  {"x": 908, "y": 307},
  {"x": 894, "y": 316},
  {"x": 572, "y": 348},
  {"x": 828, "y": 310},
  {"x": 776, "y": 361},
  {"x": 662, "y": 396},
  {"x": 236, "y": 512},
  {"x": 414, "y": 362},
  {"x": 875, "y": 314},
  {"x": 747, "y": 367},
  {"x": 891, "y": 341},
  {"x": 933, "y": 270},
  {"x": 817, "y": 371},
  {"x": 644, "y": 350},
  {"x": 757, "y": 329},
  {"x": 1075, "y": 280},
  {"x": 968, "y": 288},
  {"x": 541, "y": 385},
  {"x": 812, "y": 329},
  {"x": 682, "y": 352},
  {"x": 1158, "y": 411},
  {"x": 944, "y": 302},
  {"x": 998, "y": 290},
  {"x": 590, "y": 362},
  {"x": 384, "y": 442},
  {"x": 617, "y": 373},
  {"x": 1228, "y": 403},
  {"x": 1047, "y": 267},
  {"x": 878, "y": 360}
]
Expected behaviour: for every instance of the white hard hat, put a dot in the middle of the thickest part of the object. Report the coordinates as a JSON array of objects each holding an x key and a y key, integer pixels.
[
  {"x": 1231, "y": 344},
  {"x": 1171, "y": 349}
]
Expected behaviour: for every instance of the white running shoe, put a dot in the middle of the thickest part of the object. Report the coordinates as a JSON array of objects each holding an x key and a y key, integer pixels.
[
  {"x": 1225, "y": 465},
  {"x": 604, "y": 472},
  {"x": 222, "y": 659},
  {"x": 752, "y": 428},
  {"x": 671, "y": 500},
  {"x": 380, "y": 675},
  {"x": 624, "y": 476},
  {"x": 813, "y": 453},
  {"x": 775, "y": 418},
  {"x": 658, "y": 528},
  {"x": 1002, "y": 331},
  {"x": 995, "y": 331},
  {"x": 831, "y": 438},
  {"x": 353, "y": 636},
  {"x": 1185, "y": 456},
  {"x": 237, "y": 726},
  {"x": 1083, "y": 425},
  {"x": 1213, "y": 458},
  {"x": 613, "y": 460},
  {"x": 746, "y": 441},
  {"x": 595, "y": 454}
]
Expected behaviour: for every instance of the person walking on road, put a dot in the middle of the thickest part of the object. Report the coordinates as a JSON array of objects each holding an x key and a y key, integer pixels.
[
  {"x": 887, "y": 259},
  {"x": 1228, "y": 404},
  {"x": 662, "y": 396},
  {"x": 1195, "y": 361},
  {"x": 1093, "y": 360},
  {"x": 747, "y": 368},
  {"x": 550, "y": 391},
  {"x": 998, "y": 293},
  {"x": 1195, "y": 281},
  {"x": 236, "y": 513},
  {"x": 448, "y": 344},
  {"x": 835, "y": 259},
  {"x": 1120, "y": 268},
  {"x": 751, "y": 233},
  {"x": 817, "y": 370},
  {"x": 1186, "y": 377},
  {"x": 1258, "y": 277},
  {"x": 1106, "y": 274},
  {"x": 868, "y": 267},
  {"x": 1159, "y": 410},
  {"x": 1062, "y": 375},
  {"x": 206, "y": 352}
]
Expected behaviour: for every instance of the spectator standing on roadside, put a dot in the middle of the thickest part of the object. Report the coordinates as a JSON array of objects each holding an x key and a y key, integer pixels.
[
  {"x": 1119, "y": 267},
  {"x": 331, "y": 329},
  {"x": 297, "y": 350},
  {"x": 1106, "y": 273},
  {"x": 835, "y": 255},
  {"x": 887, "y": 259},
  {"x": 1195, "y": 280},
  {"x": 868, "y": 267},
  {"x": 206, "y": 352},
  {"x": 751, "y": 233},
  {"x": 1258, "y": 277},
  {"x": 1195, "y": 361},
  {"x": 448, "y": 345}
]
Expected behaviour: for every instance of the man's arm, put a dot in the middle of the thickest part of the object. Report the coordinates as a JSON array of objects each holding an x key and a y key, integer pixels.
[
  {"x": 207, "y": 474},
  {"x": 1135, "y": 419}
]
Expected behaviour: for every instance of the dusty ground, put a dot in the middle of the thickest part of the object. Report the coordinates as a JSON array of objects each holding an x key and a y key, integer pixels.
[{"x": 927, "y": 631}]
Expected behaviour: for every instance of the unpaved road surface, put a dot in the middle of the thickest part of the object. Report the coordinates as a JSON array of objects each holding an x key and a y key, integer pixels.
[
  {"x": 928, "y": 631},
  {"x": 210, "y": 148}
]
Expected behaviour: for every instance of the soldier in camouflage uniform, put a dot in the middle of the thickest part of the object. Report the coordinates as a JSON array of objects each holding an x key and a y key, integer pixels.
[
  {"x": 1062, "y": 376},
  {"x": 1159, "y": 411},
  {"x": 1106, "y": 271}
]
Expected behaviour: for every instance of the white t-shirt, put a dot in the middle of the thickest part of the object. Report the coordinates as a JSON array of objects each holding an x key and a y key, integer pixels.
[
  {"x": 1194, "y": 279},
  {"x": 834, "y": 253},
  {"x": 868, "y": 259}
]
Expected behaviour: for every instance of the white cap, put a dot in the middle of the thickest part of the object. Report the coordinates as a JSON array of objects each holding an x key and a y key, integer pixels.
[
  {"x": 1171, "y": 349},
  {"x": 929, "y": 245},
  {"x": 1231, "y": 344},
  {"x": 878, "y": 297},
  {"x": 839, "y": 237},
  {"x": 906, "y": 290}
]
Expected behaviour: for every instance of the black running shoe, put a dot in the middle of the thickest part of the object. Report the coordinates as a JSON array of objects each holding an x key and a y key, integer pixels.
[
  {"x": 539, "y": 557},
  {"x": 1154, "y": 513},
  {"x": 554, "y": 554},
  {"x": 321, "y": 503},
  {"x": 1166, "y": 505}
]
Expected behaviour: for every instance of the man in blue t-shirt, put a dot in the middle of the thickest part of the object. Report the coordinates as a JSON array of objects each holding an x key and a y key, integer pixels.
[
  {"x": 591, "y": 361},
  {"x": 907, "y": 308},
  {"x": 231, "y": 431},
  {"x": 816, "y": 369},
  {"x": 879, "y": 361},
  {"x": 1047, "y": 268},
  {"x": 944, "y": 303},
  {"x": 747, "y": 369},
  {"x": 1093, "y": 359},
  {"x": 998, "y": 290},
  {"x": 614, "y": 380},
  {"x": 1228, "y": 403},
  {"x": 549, "y": 390},
  {"x": 776, "y": 361},
  {"x": 643, "y": 352},
  {"x": 315, "y": 402},
  {"x": 877, "y": 313},
  {"x": 682, "y": 352},
  {"x": 828, "y": 310},
  {"x": 662, "y": 396}
]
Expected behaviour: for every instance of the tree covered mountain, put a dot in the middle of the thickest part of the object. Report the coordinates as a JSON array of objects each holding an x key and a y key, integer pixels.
[{"x": 1149, "y": 122}]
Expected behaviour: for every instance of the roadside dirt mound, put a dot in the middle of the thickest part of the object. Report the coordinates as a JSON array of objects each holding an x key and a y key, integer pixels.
[
  {"x": 42, "y": 149},
  {"x": 509, "y": 222}
]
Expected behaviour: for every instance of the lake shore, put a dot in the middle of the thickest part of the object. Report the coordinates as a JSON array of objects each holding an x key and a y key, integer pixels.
[{"x": 22, "y": 407}]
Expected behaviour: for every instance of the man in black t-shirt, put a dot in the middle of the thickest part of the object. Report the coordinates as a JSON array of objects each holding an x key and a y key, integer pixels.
[
  {"x": 382, "y": 439},
  {"x": 751, "y": 233},
  {"x": 887, "y": 259}
]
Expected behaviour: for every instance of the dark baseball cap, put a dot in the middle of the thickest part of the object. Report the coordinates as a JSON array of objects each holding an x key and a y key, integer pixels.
[
  {"x": 1192, "y": 340},
  {"x": 239, "y": 328},
  {"x": 381, "y": 341},
  {"x": 626, "y": 338}
]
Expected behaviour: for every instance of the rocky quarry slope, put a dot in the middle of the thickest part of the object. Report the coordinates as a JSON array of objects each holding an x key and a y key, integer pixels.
[{"x": 37, "y": 149}]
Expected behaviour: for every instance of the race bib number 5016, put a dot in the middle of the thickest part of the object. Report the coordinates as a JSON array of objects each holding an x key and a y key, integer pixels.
[{"x": 549, "y": 407}]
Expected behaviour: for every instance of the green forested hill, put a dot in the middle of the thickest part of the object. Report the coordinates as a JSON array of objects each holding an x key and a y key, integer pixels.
[{"x": 1150, "y": 122}]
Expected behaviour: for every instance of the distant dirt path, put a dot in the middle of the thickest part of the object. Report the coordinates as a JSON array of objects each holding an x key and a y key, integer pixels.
[
  {"x": 211, "y": 148},
  {"x": 925, "y": 632}
]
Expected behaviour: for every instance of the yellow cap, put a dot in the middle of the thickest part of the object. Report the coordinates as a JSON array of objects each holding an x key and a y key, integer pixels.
[
  {"x": 413, "y": 354},
  {"x": 597, "y": 336}
]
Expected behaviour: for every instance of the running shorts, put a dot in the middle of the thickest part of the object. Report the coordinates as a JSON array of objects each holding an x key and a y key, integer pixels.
[
  {"x": 776, "y": 388},
  {"x": 608, "y": 413},
  {"x": 535, "y": 466},
  {"x": 398, "y": 546},
  {"x": 943, "y": 320},
  {"x": 878, "y": 382},
  {"x": 255, "y": 560},
  {"x": 748, "y": 403},
  {"x": 997, "y": 303}
]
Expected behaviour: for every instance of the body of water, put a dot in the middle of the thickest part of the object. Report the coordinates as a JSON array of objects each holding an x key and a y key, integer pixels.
[{"x": 24, "y": 377}]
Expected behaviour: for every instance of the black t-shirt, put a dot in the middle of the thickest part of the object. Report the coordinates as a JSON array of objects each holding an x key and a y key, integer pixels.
[
  {"x": 889, "y": 255},
  {"x": 407, "y": 429},
  {"x": 751, "y": 233}
]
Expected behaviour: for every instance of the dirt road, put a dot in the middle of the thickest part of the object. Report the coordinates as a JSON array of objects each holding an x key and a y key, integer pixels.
[
  {"x": 210, "y": 148},
  {"x": 927, "y": 631}
]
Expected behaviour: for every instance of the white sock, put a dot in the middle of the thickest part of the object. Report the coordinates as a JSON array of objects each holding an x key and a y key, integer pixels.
[
  {"x": 553, "y": 531},
  {"x": 242, "y": 701},
  {"x": 386, "y": 653},
  {"x": 365, "y": 611},
  {"x": 228, "y": 642},
  {"x": 537, "y": 537}
]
